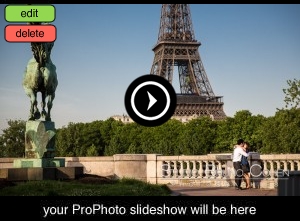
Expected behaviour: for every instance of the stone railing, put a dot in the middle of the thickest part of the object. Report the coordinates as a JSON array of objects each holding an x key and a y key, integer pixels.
[
  {"x": 204, "y": 170},
  {"x": 277, "y": 166},
  {"x": 217, "y": 169},
  {"x": 200, "y": 170}
]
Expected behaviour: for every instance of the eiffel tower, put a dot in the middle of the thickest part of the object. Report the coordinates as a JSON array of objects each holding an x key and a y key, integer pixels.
[{"x": 176, "y": 46}]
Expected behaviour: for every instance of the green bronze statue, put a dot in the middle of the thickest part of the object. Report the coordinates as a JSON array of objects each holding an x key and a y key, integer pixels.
[{"x": 40, "y": 76}]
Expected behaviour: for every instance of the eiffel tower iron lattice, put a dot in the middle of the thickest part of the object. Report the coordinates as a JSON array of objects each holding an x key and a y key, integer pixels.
[{"x": 177, "y": 47}]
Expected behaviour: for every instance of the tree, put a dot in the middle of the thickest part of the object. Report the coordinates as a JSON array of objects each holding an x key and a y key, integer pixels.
[
  {"x": 292, "y": 94},
  {"x": 281, "y": 133},
  {"x": 12, "y": 141},
  {"x": 91, "y": 137},
  {"x": 149, "y": 140},
  {"x": 167, "y": 136},
  {"x": 198, "y": 137},
  {"x": 225, "y": 137},
  {"x": 107, "y": 130},
  {"x": 69, "y": 140}
]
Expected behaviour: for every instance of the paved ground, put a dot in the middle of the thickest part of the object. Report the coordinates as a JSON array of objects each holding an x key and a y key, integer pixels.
[{"x": 219, "y": 191}]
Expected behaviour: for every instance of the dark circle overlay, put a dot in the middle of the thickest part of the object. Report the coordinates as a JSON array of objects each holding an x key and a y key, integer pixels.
[{"x": 141, "y": 100}]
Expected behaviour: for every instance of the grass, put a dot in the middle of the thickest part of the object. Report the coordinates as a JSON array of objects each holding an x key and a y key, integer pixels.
[{"x": 85, "y": 187}]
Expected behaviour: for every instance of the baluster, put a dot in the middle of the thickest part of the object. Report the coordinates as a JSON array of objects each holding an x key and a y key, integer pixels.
[
  {"x": 292, "y": 163},
  {"x": 219, "y": 170},
  {"x": 277, "y": 164},
  {"x": 175, "y": 170},
  {"x": 206, "y": 171},
  {"x": 169, "y": 170},
  {"x": 188, "y": 170},
  {"x": 279, "y": 167},
  {"x": 265, "y": 168},
  {"x": 194, "y": 171},
  {"x": 285, "y": 166},
  {"x": 298, "y": 165},
  {"x": 272, "y": 169},
  {"x": 200, "y": 171},
  {"x": 181, "y": 170},
  {"x": 164, "y": 169},
  {"x": 213, "y": 170}
]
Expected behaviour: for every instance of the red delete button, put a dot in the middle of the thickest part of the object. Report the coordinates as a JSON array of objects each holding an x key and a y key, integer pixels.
[{"x": 30, "y": 33}]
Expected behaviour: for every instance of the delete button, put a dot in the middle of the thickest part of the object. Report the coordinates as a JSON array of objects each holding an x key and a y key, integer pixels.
[{"x": 30, "y": 33}]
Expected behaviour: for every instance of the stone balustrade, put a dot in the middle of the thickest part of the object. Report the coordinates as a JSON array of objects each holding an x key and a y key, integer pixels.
[
  {"x": 201, "y": 170},
  {"x": 275, "y": 167}
]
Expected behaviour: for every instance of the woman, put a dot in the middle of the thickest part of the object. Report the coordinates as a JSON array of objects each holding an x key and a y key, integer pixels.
[{"x": 246, "y": 166}]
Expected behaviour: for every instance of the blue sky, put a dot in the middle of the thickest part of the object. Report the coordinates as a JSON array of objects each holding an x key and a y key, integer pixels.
[{"x": 248, "y": 52}]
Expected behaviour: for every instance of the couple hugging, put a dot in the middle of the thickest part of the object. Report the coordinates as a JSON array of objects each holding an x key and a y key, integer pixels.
[{"x": 241, "y": 164}]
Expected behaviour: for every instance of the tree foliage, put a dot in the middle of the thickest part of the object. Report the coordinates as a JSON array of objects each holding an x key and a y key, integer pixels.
[
  {"x": 292, "y": 94},
  {"x": 12, "y": 141},
  {"x": 198, "y": 137},
  {"x": 281, "y": 133}
]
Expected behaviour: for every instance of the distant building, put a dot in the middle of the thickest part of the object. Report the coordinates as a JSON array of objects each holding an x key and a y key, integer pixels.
[
  {"x": 183, "y": 119},
  {"x": 123, "y": 118}
]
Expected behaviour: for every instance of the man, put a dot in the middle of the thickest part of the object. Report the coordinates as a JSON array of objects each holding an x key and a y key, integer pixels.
[{"x": 238, "y": 152}]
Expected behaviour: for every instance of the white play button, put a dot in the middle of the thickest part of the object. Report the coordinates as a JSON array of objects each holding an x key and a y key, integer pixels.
[{"x": 152, "y": 100}]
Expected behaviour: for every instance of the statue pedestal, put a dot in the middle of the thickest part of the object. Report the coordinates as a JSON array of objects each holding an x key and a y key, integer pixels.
[
  {"x": 39, "y": 162},
  {"x": 39, "y": 146},
  {"x": 34, "y": 173},
  {"x": 44, "y": 162},
  {"x": 40, "y": 139}
]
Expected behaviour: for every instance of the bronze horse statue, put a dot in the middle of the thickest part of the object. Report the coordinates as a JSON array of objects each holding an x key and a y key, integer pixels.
[{"x": 40, "y": 76}]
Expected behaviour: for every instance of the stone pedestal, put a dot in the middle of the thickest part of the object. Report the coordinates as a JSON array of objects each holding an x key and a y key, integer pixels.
[
  {"x": 40, "y": 139},
  {"x": 39, "y": 146},
  {"x": 40, "y": 162},
  {"x": 49, "y": 173},
  {"x": 44, "y": 162}
]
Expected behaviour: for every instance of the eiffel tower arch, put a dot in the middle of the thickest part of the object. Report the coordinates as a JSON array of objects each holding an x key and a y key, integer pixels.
[{"x": 177, "y": 47}]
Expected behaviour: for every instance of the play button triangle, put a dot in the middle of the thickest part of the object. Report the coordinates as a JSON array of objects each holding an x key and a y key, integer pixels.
[{"x": 152, "y": 100}]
